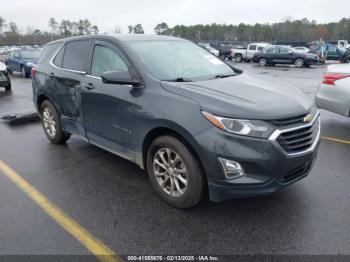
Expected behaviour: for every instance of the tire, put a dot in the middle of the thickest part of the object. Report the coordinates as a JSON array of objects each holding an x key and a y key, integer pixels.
[
  {"x": 263, "y": 61},
  {"x": 299, "y": 62},
  {"x": 51, "y": 123},
  {"x": 8, "y": 86},
  {"x": 192, "y": 191},
  {"x": 238, "y": 58},
  {"x": 24, "y": 73}
]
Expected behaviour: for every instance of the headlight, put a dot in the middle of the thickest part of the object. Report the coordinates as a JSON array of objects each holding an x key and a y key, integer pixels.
[
  {"x": 29, "y": 64},
  {"x": 253, "y": 128}
]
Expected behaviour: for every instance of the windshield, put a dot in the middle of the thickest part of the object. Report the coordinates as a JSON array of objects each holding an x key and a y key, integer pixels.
[
  {"x": 30, "y": 54},
  {"x": 171, "y": 60}
]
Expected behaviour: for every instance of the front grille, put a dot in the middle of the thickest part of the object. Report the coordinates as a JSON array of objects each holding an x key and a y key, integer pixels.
[
  {"x": 299, "y": 140},
  {"x": 2, "y": 77},
  {"x": 294, "y": 173}
]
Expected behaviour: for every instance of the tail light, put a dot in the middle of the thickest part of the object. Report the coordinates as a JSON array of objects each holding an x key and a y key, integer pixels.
[
  {"x": 330, "y": 78},
  {"x": 33, "y": 72}
]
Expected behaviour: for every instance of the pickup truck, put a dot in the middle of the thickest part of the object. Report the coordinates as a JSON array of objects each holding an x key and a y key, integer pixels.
[
  {"x": 329, "y": 52},
  {"x": 247, "y": 54}
]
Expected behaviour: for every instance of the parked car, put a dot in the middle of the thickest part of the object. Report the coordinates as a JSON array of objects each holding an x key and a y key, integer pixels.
[
  {"x": 284, "y": 55},
  {"x": 191, "y": 120},
  {"x": 22, "y": 61},
  {"x": 300, "y": 49},
  {"x": 247, "y": 54},
  {"x": 210, "y": 49},
  {"x": 333, "y": 93},
  {"x": 5, "y": 80},
  {"x": 224, "y": 50},
  {"x": 346, "y": 57}
]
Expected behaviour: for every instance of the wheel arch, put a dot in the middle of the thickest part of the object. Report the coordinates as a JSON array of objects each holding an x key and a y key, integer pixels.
[
  {"x": 177, "y": 132},
  {"x": 41, "y": 98}
]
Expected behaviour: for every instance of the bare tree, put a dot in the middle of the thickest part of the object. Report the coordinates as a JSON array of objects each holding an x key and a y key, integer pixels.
[{"x": 53, "y": 25}]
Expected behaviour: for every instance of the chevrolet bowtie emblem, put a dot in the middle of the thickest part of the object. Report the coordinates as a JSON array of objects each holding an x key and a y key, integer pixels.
[{"x": 308, "y": 118}]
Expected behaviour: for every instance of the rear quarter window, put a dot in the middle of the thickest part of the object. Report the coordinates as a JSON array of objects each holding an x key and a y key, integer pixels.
[
  {"x": 76, "y": 55},
  {"x": 48, "y": 51},
  {"x": 59, "y": 57}
]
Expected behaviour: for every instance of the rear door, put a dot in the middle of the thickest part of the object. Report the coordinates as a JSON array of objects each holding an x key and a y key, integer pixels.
[
  {"x": 251, "y": 51},
  {"x": 108, "y": 108},
  {"x": 70, "y": 67}
]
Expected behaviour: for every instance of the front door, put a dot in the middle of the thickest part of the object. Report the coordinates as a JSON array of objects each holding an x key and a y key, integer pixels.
[
  {"x": 283, "y": 55},
  {"x": 107, "y": 106}
]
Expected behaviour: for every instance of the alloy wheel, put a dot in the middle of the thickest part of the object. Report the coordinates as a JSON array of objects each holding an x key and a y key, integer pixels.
[
  {"x": 170, "y": 172},
  {"x": 299, "y": 62},
  {"x": 263, "y": 62},
  {"x": 49, "y": 122}
]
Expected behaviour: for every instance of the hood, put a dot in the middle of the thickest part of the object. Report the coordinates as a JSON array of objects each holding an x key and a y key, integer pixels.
[
  {"x": 2, "y": 66},
  {"x": 245, "y": 96}
]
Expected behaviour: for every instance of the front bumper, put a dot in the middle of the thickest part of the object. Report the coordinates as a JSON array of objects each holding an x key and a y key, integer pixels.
[
  {"x": 312, "y": 61},
  {"x": 267, "y": 167}
]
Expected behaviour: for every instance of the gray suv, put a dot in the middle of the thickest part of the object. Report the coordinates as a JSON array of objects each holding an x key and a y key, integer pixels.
[{"x": 193, "y": 122}]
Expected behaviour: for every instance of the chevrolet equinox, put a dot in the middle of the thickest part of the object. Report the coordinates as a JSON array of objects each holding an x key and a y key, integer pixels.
[{"x": 195, "y": 123}]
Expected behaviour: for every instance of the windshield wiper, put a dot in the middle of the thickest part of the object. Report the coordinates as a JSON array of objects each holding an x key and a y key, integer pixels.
[
  {"x": 223, "y": 76},
  {"x": 180, "y": 79}
]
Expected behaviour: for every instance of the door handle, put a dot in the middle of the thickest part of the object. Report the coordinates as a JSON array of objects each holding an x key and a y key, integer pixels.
[{"x": 89, "y": 86}]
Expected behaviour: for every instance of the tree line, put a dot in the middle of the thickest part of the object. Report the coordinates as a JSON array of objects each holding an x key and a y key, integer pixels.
[{"x": 302, "y": 30}]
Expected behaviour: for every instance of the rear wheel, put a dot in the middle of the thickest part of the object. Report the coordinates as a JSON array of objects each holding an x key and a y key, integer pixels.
[
  {"x": 174, "y": 172},
  {"x": 51, "y": 123},
  {"x": 263, "y": 61},
  {"x": 238, "y": 58},
  {"x": 299, "y": 62}
]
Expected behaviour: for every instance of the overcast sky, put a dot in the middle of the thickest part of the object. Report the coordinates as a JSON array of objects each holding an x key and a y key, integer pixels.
[{"x": 106, "y": 14}]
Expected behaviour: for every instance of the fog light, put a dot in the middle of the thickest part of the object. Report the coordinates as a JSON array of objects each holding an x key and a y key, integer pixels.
[{"x": 232, "y": 169}]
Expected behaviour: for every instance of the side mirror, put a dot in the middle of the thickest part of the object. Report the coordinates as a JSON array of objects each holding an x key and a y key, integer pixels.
[
  {"x": 290, "y": 52},
  {"x": 120, "y": 78}
]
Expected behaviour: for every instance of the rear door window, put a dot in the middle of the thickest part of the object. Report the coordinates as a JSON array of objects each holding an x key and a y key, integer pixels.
[
  {"x": 252, "y": 47},
  {"x": 76, "y": 55}
]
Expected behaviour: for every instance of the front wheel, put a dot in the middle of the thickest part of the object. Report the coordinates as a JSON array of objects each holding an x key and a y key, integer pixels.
[
  {"x": 174, "y": 172},
  {"x": 51, "y": 123},
  {"x": 263, "y": 61},
  {"x": 299, "y": 62},
  {"x": 8, "y": 86},
  {"x": 24, "y": 73}
]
